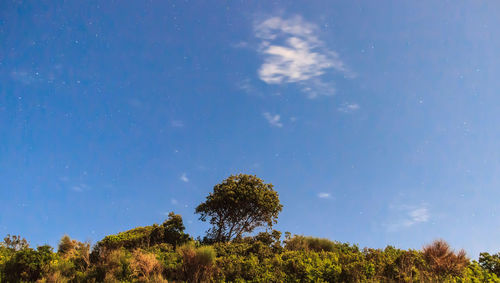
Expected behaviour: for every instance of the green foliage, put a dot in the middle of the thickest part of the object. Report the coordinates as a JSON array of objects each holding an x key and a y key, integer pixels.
[
  {"x": 27, "y": 264},
  {"x": 15, "y": 242},
  {"x": 134, "y": 238},
  {"x": 490, "y": 262},
  {"x": 113, "y": 265},
  {"x": 170, "y": 232},
  {"x": 476, "y": 273},
  {"x": 198, "y": 263},
  {"x": 302, "y": 243},
  {"x": 260, "y": 258},
  {"x": 163, "y": 253},
  {"x": 73, "y": 259},
  {"x": 306, "y": 243},
  {"x": 238, "y": 205}
]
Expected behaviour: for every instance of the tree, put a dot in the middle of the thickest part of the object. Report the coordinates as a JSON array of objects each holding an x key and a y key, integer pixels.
[
  {"x": 28, "y": 265},
  {"x": 170, "y": 232},
  {"x": 173, "y": 230},
  {"x": 238, "y": 205},
  {"x": 443, "y": 261},
  {"x": 74, "y": 251},
  {"x": 490, "y": 262},
  {"x": 15, "y": 243}
]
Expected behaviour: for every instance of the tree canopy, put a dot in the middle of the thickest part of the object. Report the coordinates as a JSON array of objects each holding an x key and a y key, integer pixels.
[{"x": 238, "y": 205}]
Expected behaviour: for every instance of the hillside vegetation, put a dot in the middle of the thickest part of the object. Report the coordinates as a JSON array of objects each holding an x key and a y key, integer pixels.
[{"x": 241, "y": 203}]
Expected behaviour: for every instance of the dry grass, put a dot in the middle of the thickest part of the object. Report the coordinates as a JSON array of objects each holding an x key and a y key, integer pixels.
[
  {"x": 146, "y": 267},
  {"x": 198, "y": 264}
]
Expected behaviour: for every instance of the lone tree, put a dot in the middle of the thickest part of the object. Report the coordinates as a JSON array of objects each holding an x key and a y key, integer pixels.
[{"x": 238, "y": 205}]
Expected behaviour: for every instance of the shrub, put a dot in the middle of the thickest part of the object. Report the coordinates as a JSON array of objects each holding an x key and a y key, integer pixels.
[
  {"x": 443, "y": 261},
  {"x": 490, "y": 262},
  {"x": 170, "y": 232},
  {"x": 28, "y": 264},
  {"x": 112, "y": 265},
  {"x": 298, "y": 243},
  {"x": 145, "y": 267},
  {"x": 198, "y": 264}
]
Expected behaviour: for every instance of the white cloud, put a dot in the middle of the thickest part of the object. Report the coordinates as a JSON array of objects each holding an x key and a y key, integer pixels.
[
  {"x": 174, "y": 201},
  {"x": 348, "y": 107},
  {"x": 294, "y": 54},
  {"x": 273, "y": 120},
  {"x": 324, "y": 195},
  {"x": 184, "y": 178}
]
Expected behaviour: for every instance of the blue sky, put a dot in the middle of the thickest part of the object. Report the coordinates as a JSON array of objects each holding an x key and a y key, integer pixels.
[{"x": 377, "y": 122}]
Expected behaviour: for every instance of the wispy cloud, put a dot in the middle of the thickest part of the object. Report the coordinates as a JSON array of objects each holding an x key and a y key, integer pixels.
[
  {"x": 64, "y": 178},
  {"x": 174, "y": 201},
  {"x": 273, "y": 120},
  {"x": 248, "y": 87},
  {"x": 348, "y": 107},
  {"x": 74, "y": 186},
  {"x": 324, "y": 195},
  {"x": 177, "y": 123},
  {"x": 293, "y": 53},
  {"x": 417, "y": 215},
  {"x": 408, "y": 216},
  {"x": 241, "y": 44},
  {"x": 79, "y": 188},
  {"x": 24, "y": 77},
  {"x": 184, "y": 178}
]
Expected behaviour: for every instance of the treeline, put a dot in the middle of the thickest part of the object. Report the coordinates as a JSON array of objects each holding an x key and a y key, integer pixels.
[{"x": 165, "y": 253}]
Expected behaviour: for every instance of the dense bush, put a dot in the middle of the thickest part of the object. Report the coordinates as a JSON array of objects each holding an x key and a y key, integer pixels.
[
  {"x": 443, "y": 261},
  {"x": 27, "y": 264},
  {"x": 302, "y": 243},
  {"x": 261, "y": 258},
  {"x": 198, "y": 263},
  {"x": 146, "y": 267},
  {"x": 490, "y": 262},
  {"x": 171, "y": 232}
]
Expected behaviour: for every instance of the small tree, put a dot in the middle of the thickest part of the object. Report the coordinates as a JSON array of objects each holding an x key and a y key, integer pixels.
[
  {"x": 490, "y": 262},
  {"x": 15, "y": 243},
  {"x": 238, "y": 205},
  {"x": 198, "y": 264},
  {"x": 146, "y": 267},
  {"x": 173, "y": 230},
  {"x": 76, "y": 252},
  {"x": 28, "y": 265},
  {"x": 443, "y": 261}
]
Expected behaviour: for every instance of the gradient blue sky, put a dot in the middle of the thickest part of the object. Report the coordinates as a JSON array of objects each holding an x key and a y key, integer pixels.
[{"x": 377, "y": 122}]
